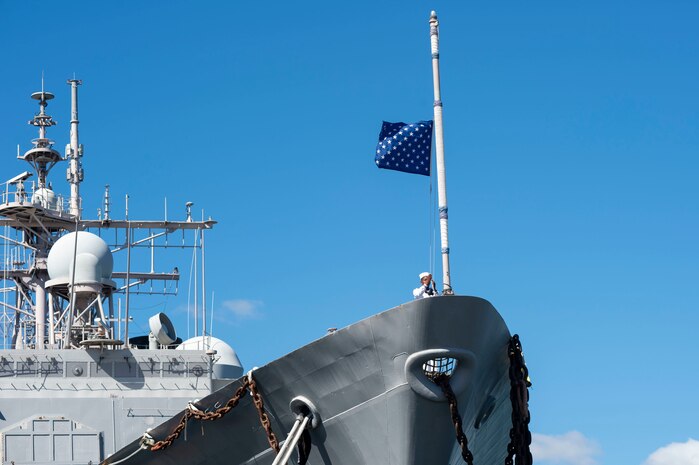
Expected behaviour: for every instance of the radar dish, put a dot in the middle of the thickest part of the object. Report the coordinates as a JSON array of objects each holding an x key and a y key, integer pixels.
[{"x": 162, "y": 328}]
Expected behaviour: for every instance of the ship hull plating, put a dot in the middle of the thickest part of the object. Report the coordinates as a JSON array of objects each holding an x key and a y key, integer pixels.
[{"x": 375, "y": 406}]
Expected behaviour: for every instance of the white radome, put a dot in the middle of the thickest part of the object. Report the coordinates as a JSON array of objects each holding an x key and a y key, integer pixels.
[
  {"x": 227, "y": 364},
  {"x": 93, "y": 261}
]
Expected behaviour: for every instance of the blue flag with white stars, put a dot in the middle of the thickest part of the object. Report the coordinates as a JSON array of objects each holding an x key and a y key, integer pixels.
[{"x": 405, "y": 147}]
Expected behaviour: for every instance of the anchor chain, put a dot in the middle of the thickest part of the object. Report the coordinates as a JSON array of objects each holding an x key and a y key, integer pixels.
[
  {"x": 520, "y": 437},
  {"x": 304, "y": 447},
  {"x": 442, "y": 380},
  {"x": 249, "y": 384},
  {"x": 264, "y": 419}
]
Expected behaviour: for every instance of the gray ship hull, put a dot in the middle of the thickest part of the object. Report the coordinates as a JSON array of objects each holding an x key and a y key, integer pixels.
[{"x": 368, "y": 384}]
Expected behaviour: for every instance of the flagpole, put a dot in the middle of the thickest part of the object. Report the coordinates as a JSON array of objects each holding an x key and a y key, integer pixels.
[{"x": 439, "y": 151}]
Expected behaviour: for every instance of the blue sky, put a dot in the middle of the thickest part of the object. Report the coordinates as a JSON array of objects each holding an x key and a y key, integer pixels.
[{"x": 572, "y": 146}]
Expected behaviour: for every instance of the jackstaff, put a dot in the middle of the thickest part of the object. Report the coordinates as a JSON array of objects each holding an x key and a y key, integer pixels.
[{"x": 439, "y": 152}]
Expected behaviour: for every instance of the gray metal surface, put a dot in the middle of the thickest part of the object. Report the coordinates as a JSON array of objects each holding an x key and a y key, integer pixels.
[
  {"x": 356, "y": 377},
  {"x": 70, "y": 396}
]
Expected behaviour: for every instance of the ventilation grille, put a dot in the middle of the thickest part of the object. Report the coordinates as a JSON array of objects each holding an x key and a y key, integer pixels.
[{"x": 438, "y": 366}]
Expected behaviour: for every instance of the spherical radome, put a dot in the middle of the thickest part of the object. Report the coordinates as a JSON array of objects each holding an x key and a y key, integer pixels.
[{"x": 93, "y": 260}]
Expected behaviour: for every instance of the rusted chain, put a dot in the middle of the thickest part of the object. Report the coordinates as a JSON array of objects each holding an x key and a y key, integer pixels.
[
  {"x": 442, "y": 380},
  {"x": 200, "y": 415},
  {"x": 264, "y": 419},
  {"x": 249, "y": 384},
  {"x": 520, "y": 437},
  {"x": 174, "y": 435}
]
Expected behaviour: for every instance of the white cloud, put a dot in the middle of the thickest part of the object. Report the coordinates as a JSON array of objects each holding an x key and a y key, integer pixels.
[
  {"x": 571, "y": 448},
  {"x": 676, "y": 453},
  {"x": 241, "y": 309}
]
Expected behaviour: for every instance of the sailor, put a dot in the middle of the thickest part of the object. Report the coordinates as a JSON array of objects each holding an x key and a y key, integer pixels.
[{"x": 426, "y": 288}]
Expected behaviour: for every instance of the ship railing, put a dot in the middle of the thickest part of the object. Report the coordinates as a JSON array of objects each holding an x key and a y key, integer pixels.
[
  {"x": 38, "y": 197},
  {"x": 16, "y": 258}
]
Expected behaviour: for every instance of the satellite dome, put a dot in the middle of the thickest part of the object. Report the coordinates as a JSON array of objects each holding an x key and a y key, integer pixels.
[
  {"x": 93, "y": 259},
  {"x": 46, "y": 198},
  {"x": 227, "y": 365}
]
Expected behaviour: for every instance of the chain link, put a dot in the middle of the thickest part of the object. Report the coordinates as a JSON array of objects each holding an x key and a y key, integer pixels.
[
  {"x": 264, "y": 419},
  {"x": 304, "y": 447},
  {"x": 249, "y": 384},
  {"x": 520, "y": 437},
  {"x": 200, "y": 415},
  {"x": 442, "y": 380}
]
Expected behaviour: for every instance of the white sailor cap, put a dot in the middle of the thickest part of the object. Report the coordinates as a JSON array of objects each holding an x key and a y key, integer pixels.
[{"x": 425, "y": 274}]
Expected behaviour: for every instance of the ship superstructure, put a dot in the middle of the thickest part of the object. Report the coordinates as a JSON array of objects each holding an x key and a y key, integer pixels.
[
  {"x": 438, "y": 380},
  {"x": 74, "y": 386}
]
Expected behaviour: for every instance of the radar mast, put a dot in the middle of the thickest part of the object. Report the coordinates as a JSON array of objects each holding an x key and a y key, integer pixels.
[{"x": 42, "y": 156}]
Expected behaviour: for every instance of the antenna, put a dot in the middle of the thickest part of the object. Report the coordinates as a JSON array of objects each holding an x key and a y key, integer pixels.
[
  {"x": 74, "y": 151},
  {"x": 42, "y": 157},
  {"x": 106, "y": 202},
  {"x": 188, "y": 209}
]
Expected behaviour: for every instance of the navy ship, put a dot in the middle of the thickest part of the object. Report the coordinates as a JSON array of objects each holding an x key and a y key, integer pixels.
[
  {"x": 439, "y": 380},
  {"x": 434, "y": 380}
]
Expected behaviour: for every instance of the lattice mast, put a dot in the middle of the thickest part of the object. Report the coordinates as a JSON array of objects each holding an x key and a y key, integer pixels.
[
  {"x": 42, "y": 158},
  {"x": 58, "y": 274}
]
